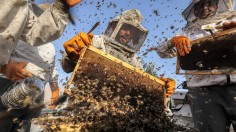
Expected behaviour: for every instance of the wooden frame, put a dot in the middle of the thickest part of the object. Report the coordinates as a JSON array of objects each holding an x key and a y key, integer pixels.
[
  {"x": 84, "y": 55},
  {"x": 138, "y": 70},
  {"x": 212, "y": 38},
  {"x": 116, "y": 61}
]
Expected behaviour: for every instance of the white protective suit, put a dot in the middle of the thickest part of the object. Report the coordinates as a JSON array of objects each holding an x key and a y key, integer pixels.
[
  {"x": 193, "y": 31},
  {"x": 21, "y": 19}
]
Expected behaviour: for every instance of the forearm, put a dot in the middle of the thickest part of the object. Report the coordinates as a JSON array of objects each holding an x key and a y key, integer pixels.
[{"x": 166, "y": 50}]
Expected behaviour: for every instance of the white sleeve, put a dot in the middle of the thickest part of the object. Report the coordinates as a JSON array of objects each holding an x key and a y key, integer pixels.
[
  {"x": 13, "y": 16},
  {"x": 17, "y": 20},
  {"x": 54, "y": 77},
  {"x": 47, "y": 27},
  {"x": 166, "y": 50}
]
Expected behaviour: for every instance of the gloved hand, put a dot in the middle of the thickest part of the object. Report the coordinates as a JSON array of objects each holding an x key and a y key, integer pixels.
[
  {"x": 227, "y": 25},
  {"x": 74, "y": 46},
  {"x": 55, "y": 95},
  {"x": 170, "y": 86},
  {"x": 182, "y": 44},
  {"x": 167, "y": 107},
  {"x": 15, "y": 71},
  {"x": 72, "y": 3}
]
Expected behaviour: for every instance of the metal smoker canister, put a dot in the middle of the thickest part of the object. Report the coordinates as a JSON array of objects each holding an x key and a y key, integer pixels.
[{"x": 15, "y": 96}]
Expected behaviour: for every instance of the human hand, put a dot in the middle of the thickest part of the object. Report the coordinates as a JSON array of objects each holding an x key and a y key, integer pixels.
[
  {"x": 170, "y": 86},
  {"x": 74, "y": 46},
  {"x": 15, "y": 71},
  {"x": 182, "y": 44}
]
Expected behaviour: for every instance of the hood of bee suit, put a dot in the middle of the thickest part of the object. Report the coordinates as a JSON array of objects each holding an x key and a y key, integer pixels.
[
  {"x": 133, "y": 18},
  {"x": 223, "y": 6}
]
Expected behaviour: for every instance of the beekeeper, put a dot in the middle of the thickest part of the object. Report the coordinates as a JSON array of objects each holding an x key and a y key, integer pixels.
[
  {"x": 123, "y": 37},
  {"x": 21, "y": 19},
  {"x": 32, "y": 59},
  {"x": 212, "y": 96}
]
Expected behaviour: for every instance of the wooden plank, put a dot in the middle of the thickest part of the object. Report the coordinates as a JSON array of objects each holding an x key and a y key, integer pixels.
[
  {"x": 216, "y": 35},
  {"x": 213, "y": 72},
  {"x": 130, "y": 67},
  {"x": 56, "y": 124},
  {"x": 75, "y": 69}
]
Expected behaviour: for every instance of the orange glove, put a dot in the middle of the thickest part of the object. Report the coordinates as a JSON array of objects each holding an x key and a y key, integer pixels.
[
  {"x": 74, "y": 46},
  {"x": 227, "y": 25},
  {"x": 170, "y": 86},
  {"x": 15, "y": 71},
  {"x": 55, "y": 95},
  {"x": 72, "y": 3},
  {"x": 182, "y": 44}
]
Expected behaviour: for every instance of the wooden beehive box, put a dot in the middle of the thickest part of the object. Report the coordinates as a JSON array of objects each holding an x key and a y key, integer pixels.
[{"x": 212, "y": 53}]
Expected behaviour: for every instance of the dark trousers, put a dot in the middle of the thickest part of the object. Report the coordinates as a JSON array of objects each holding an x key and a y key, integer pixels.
[
  {"x": 6, "y": 118},
  {"x": 213, "y": 108},
  {"x": 6, "y": 123}
]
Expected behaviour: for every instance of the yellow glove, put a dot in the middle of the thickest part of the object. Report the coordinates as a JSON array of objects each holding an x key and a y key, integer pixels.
[
  {"x": 72, "y": 3},
  {"x": 74, "y": 46},
  {"x": 182, "y": 44},
  {"x": 15, "y": 71},
  {"x": 170, "y": 86}
]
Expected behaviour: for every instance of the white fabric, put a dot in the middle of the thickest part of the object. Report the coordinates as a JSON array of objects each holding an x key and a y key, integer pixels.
[
  {"x": 193, "y": 31},
  {"x": 133, "y": 17},
  {"x": 19, "y": 21},
  {"x": 42, "y": 57},
  {"x": 203, "y": 80}
]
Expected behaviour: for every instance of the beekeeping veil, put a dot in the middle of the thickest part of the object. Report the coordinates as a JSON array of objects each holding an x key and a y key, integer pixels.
[
  {"x": 223, "y": 6},
  {"x": 130, "y": 19}
]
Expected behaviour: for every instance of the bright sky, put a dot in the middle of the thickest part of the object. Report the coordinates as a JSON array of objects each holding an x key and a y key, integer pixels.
[{"x": 161, "y": 25}]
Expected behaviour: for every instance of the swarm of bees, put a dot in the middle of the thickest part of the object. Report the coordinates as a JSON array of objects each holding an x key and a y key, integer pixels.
[
  {"x": 97, "y": 107},
  {"x": 105, "y": 101}
]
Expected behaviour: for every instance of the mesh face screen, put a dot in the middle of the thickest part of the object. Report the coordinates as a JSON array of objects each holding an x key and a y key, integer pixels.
[{"x": 130, "y": 36}]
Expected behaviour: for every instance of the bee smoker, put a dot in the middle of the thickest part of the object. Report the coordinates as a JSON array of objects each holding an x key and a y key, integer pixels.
[{"x": 16, "y": 95}]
